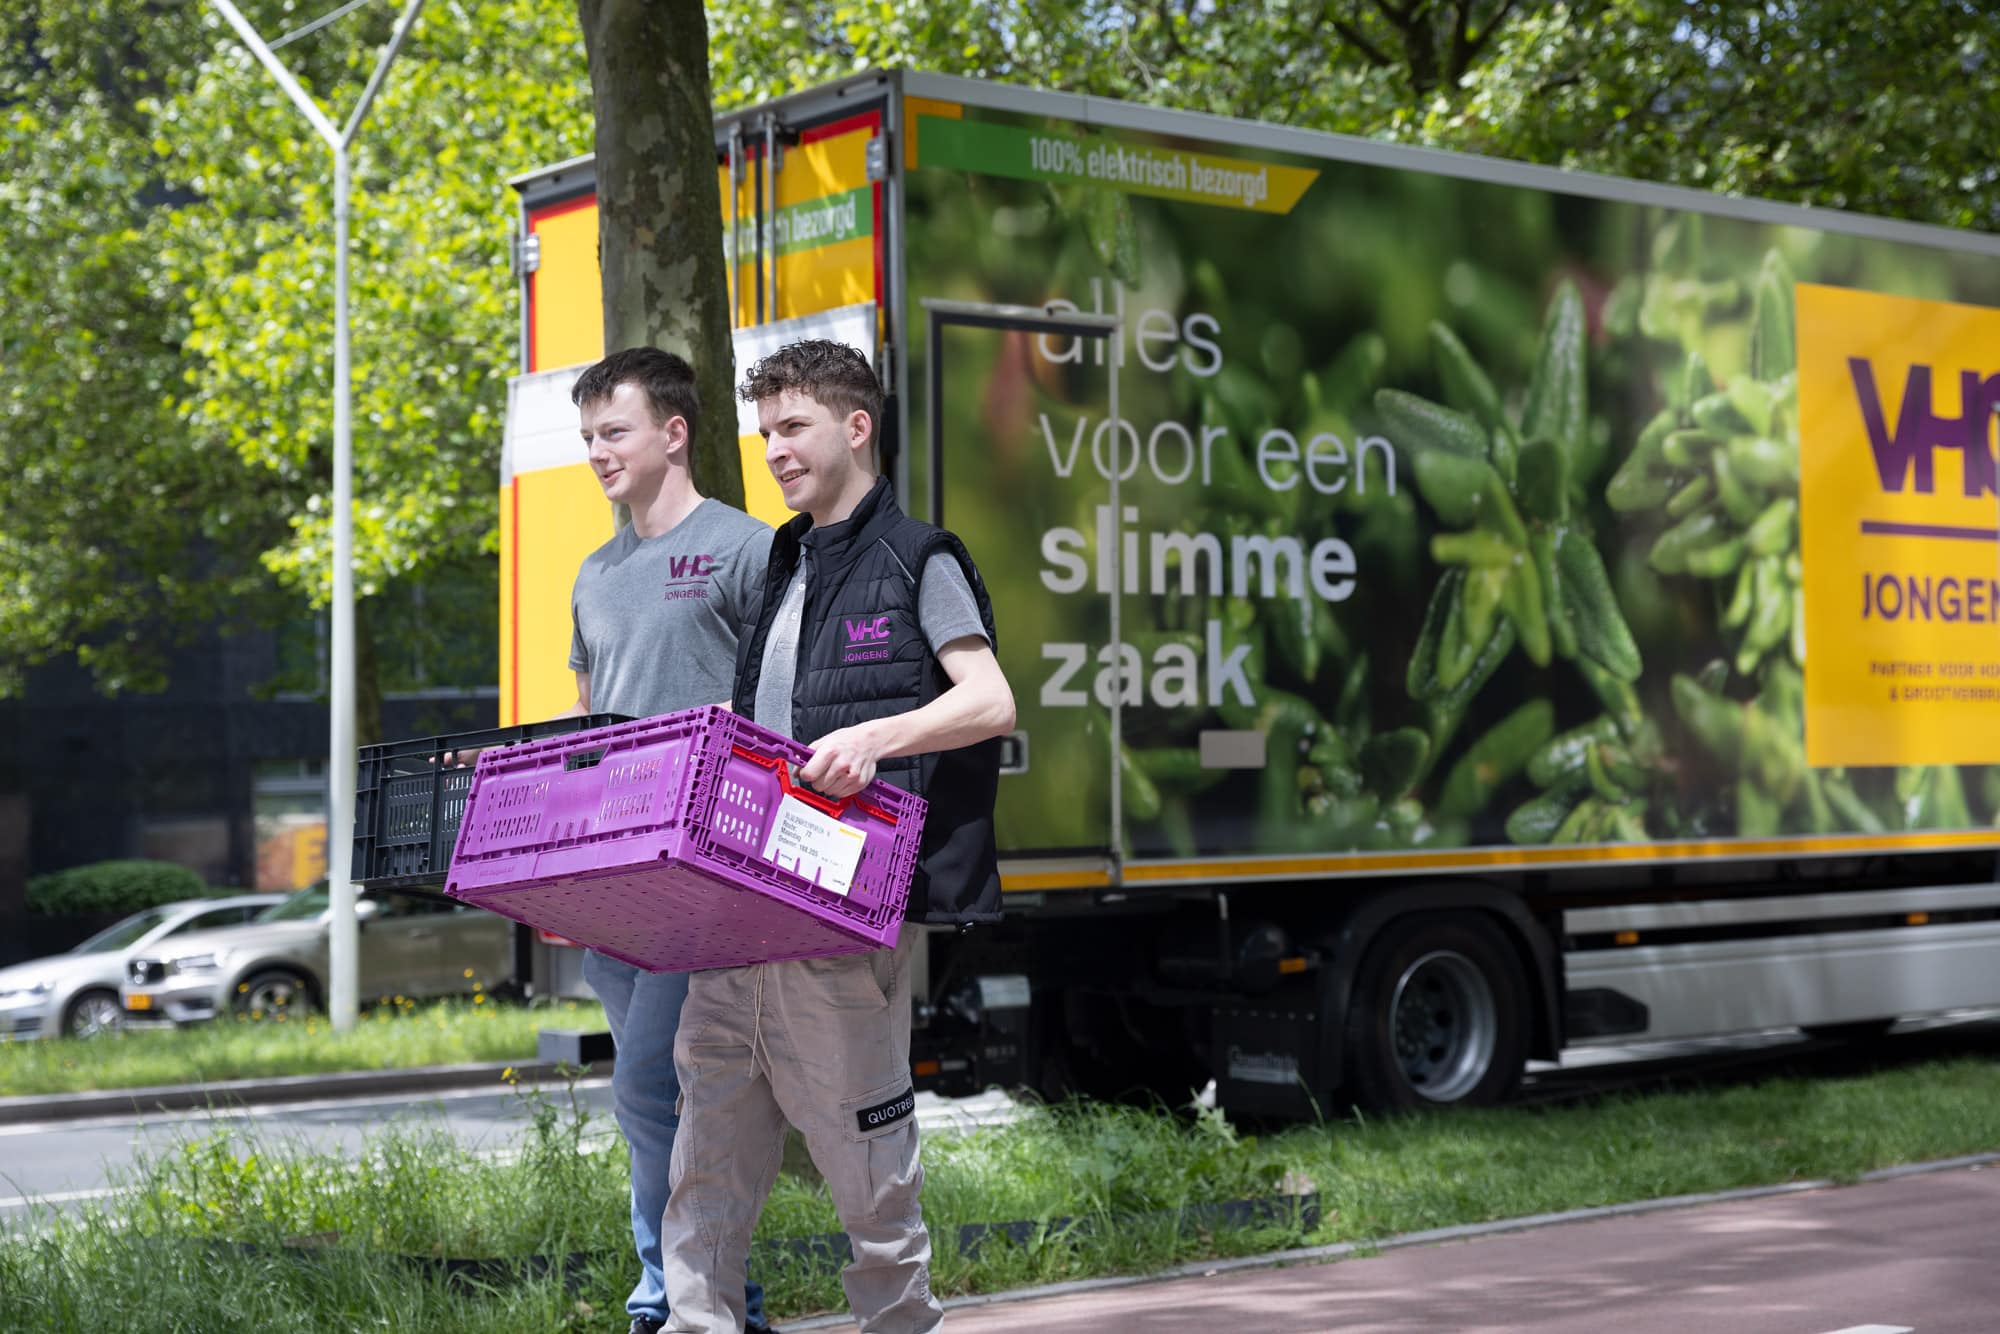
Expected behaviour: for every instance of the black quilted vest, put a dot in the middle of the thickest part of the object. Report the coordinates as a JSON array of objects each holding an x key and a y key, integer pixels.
[{"x": 862, "y": 656}]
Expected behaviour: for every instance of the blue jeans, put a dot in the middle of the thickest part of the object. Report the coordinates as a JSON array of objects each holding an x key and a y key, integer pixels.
[{"x": 645, "y": 1011}]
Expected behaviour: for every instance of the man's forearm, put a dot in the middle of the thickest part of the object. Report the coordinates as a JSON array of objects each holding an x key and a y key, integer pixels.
[
  {"x": 978, "y": 705},
  {"x": 969, "y": 712}
]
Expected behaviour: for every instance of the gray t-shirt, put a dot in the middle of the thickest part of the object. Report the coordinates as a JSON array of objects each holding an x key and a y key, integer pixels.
[
  {"x": 946, "y": 611},
  {"x": 655, "y": 620}
]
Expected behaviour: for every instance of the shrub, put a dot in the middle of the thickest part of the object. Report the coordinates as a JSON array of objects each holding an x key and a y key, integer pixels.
[{"x": 113, "y": 887}]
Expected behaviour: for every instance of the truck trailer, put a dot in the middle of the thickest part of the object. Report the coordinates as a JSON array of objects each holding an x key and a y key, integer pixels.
[{"x": 1457, "y": 609}]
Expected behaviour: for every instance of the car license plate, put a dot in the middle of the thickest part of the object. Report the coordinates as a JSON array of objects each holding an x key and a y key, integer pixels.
[{"x": 138, "y": 1002}]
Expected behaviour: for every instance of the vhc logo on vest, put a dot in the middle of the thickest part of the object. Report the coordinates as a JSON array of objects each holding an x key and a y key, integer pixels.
[
  {"x": 866, "y": 639},
  {"x": 689, "y": 576}
]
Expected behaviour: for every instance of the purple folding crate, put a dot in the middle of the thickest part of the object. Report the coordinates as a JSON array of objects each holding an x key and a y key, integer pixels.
[{"x": 682, "y": 842}]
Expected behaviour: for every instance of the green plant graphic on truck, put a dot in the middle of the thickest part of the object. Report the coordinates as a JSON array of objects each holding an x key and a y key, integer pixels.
[{"x": 1481, "y": 506}]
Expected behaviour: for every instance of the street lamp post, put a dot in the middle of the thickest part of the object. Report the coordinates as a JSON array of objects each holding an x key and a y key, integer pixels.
[{"x": 343, "y": 939}]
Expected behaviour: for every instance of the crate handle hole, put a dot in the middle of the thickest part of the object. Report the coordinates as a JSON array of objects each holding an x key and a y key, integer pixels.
[{"x": 583, "y": 759}]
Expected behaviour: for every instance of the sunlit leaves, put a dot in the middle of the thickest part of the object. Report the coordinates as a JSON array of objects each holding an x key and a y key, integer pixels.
[
  {"x": 1878, "y": 108},
  {"x": 166, "y": 359}
]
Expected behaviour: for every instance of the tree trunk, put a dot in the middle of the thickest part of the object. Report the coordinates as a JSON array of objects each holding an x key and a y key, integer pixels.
[{"x": 659, "y": 209}]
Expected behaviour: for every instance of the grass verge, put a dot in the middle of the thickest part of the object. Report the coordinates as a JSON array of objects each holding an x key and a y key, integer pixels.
[
  {"x": 229, "y": 1234},
  {"x": 395, "y": 1035}
]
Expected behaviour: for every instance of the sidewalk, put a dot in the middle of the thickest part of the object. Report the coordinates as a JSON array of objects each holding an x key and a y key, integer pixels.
[{"x": 1907, "y": 1250}]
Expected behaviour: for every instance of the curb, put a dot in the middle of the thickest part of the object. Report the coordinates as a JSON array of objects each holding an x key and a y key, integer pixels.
[
  {"x": 1430, "y": 1237},
  {"x": 282, "y": 1089}
]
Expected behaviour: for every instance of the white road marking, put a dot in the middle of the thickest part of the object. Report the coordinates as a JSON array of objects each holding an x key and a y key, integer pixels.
[
  {"x": 1875, "y": 1329},
  {"x": 933, "y": 1113},
  {"x": 56, "y": 1197}
]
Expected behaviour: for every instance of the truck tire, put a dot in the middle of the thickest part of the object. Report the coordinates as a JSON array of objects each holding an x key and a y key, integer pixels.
[{"x": 1438, "y": 1017}]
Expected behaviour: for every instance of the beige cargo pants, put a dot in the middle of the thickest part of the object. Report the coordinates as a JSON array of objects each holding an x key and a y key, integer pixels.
[{"x": 825, "y": 1045}]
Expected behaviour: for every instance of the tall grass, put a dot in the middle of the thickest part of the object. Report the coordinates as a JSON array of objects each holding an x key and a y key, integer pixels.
[
  {"x": 228, "y": 1234},
  {"x": 394, "y": 1034}
]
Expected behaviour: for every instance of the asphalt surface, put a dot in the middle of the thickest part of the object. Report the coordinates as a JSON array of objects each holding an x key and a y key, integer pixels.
[
  {"x": 66, "y": 1152},
  {"x": 72, "y": 1161},
  {"x": 1912, "y": 1254},
  {"x": 69, "y": 1150},
  {"x": 79, "y": 1148}
]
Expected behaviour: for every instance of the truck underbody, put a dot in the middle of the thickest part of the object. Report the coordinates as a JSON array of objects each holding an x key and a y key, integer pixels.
[{"x": 1300, "y": 999}]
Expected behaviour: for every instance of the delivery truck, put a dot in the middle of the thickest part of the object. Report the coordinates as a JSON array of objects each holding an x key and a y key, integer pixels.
[{"x": 1457, "y": 610}]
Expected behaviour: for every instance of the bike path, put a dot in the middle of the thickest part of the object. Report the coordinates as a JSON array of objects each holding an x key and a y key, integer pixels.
[{"x": 1907, "y": 1251}]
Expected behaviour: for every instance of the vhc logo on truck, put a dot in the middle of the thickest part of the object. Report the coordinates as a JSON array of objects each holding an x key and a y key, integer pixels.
[{"x": 1920, "y": 429}]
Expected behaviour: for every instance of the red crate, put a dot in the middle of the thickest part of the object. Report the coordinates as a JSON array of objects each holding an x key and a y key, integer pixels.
[{"x": 648, "y": 841}]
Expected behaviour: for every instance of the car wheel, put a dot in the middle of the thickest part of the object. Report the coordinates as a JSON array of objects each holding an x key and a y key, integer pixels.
[
  {"x": 93, "y": 1013},
  {"x": 273, "y": 993}
]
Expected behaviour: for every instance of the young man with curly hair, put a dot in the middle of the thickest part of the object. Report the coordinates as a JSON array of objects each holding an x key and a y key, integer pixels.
[{"x": 919, "y": 702}]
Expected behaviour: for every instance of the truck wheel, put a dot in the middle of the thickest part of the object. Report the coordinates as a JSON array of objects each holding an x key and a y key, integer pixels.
[
  {"x": 272, "y": 992},
  {"x": 92, "y": 1013},
  {"x": 1438, "y": 1016}
]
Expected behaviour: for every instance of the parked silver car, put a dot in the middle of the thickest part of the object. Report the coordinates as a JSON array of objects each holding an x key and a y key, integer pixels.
[
  {"x": 409, "y": 947},
  {"x": 76, "y": 994}
]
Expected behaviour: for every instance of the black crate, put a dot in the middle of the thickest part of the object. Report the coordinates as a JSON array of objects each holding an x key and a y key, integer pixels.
[{"x": 407, "y": 803}]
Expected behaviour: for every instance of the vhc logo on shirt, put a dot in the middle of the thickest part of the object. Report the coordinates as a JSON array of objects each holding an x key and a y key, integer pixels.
[
  {"x": 866, "y": 639},
  {"x": 689, "y": 576}
]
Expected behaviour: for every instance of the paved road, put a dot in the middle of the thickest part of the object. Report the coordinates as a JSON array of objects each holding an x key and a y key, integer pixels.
[
  {"x": 1914, "y": 1255},
  {"x": 73, "y": 1162}
]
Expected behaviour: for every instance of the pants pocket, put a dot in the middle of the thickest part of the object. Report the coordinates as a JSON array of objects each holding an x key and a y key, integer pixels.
[
  {"x": 846, "y": 981},
  {"x": 880, "y": 1111},
  {"x": 878, "y": 1138}
]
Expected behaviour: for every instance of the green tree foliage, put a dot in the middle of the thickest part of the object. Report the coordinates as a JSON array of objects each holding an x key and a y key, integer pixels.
[
  {"x": 1877, "y": 108},
  {"x": 166, "y": 370},
  {"x": 1886, "y": 109},
  {"x": 100, "y": 502}
]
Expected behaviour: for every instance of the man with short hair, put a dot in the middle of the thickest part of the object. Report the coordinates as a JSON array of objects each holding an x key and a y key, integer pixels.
[
  {"x": 825, "y": 1043},
  {"x": 657, "y": 613}
]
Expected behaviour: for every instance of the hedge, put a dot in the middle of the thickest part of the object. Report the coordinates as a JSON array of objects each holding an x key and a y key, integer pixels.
[{"x": 113, "y": 887}]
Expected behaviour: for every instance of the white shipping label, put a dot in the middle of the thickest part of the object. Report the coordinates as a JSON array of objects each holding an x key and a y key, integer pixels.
[{"x": 814, "y": 845}]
